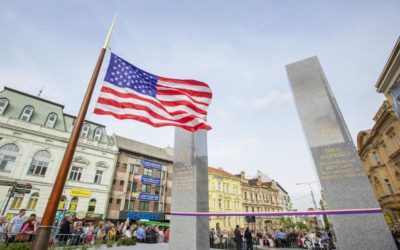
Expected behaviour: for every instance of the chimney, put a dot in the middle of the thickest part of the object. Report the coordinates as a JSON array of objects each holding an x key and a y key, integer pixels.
[{"x": 242, "y": 175}]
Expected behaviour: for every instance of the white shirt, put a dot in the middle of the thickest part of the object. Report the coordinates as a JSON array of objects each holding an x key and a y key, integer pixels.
[{"x": 16, "y": 223}]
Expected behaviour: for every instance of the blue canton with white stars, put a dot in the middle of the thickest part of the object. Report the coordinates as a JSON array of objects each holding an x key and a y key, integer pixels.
[{"x": 125, "y": 75}]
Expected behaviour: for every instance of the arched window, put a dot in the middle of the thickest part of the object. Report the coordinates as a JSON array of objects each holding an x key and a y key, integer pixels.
[
  {"x": 97, "y": 134},
  {"x": 51, "y": 120},
  {"x": 39, "y": 163},
  {"x": 26, "y": 113},
  {"x": 85, "y": 130},
  {"x": 92, "y": 206},
  {"x": 17, "y": 201},
  {"x": 62, "y": 202},
  {"x": 389, "y": 186},
  {"x": 73, "y": 204},
  {"x": 33, "y": 201},
  {"x": 8, "y": 155},
  {"x": 3, "y": 105}
]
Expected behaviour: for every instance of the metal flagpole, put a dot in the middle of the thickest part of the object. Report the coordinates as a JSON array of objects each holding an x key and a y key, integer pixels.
[{"x": 44, "y": 232}]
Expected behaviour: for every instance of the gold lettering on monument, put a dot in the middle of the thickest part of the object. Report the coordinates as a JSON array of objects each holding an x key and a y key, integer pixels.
[
  {"x": 184, "y": 178},
  {"x": 336, "y": 163}
]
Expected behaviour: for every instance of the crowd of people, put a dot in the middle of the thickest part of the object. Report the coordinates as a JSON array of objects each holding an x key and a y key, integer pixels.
[
  {"x": 245, "y": 239},
  {"x": 21, "y": 229}
]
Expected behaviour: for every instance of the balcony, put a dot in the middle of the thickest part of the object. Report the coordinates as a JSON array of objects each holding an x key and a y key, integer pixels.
[{"x": 390, "y": 200}]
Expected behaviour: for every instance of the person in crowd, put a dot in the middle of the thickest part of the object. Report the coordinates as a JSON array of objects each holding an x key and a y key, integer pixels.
[
  {"x": 212, "y": 237},
  {"x": 161, "y": 235},
  {"x": 100, "y": 234},
  {"x": 238, "y": 238},
  {"x": 249, "y": 239},
  {"x": 141, "y": 234},
  {"x": 65, "y": 230},
  {"x": 3, "y": 229},
  {"x": 111, "y": 232},
  {"x": 29, "y": 228},
  {"x": 89, "y": 235},
  {"x": 167, "y": 235},
  {"x": 15, "y": 225},
  {"x": 77, "y": 234}
]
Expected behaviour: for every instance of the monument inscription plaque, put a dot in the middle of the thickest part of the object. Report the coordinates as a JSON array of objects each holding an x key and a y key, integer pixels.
[
  {"x": 189, "y": 191},
  {"x": 343, "y": 181}
]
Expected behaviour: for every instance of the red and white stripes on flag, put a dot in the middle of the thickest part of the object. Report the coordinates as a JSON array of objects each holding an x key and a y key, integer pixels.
[{"x": 131, "y": 93}]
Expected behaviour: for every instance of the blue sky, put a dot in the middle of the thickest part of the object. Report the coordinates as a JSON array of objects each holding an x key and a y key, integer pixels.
[{"x": 239, "y": 48}]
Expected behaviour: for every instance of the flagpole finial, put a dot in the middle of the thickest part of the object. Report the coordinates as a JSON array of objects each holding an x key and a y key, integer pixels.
[{"x": 109, "y": 32}]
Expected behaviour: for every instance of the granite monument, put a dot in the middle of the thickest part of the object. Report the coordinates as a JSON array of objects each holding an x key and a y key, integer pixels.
[
  {"x": 343, "y": 181},
  {"x": 189, "y": 191}
]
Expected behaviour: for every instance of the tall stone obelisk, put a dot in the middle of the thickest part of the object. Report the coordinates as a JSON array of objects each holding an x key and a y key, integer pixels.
[
  {"x": 343, "y": 181},
  {"x": 189, "y": 191}
]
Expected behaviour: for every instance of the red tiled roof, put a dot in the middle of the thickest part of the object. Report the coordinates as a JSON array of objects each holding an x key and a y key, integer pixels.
[{"x": 219, "y": 171}]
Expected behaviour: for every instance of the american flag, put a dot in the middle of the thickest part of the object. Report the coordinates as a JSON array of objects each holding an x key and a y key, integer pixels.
[{"x": 131, "y": 93}]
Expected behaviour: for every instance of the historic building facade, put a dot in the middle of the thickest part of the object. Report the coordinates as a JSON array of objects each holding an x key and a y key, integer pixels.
[
  {"x": 224, "y": 195},
  {"x": 261, "y": 194},
  {"x": 379, "y": 147},
  {"x": 141, "y": 186},
  {"x": 34, "y": 133}
]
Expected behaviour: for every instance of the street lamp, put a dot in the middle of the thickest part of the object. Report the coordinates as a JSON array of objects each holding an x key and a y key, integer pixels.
[{"x": 312, "y": 193}]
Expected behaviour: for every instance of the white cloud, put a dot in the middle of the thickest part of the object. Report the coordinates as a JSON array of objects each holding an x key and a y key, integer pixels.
[{"x": 274, "y": 98}]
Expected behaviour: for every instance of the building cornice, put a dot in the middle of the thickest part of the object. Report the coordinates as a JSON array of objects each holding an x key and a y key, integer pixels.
[{"x": 388, "y": 73}]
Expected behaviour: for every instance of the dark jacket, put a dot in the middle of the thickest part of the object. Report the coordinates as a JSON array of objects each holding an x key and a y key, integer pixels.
[
  {"x": 248, "y": 236},
  {"x": 238, "y": 235}
]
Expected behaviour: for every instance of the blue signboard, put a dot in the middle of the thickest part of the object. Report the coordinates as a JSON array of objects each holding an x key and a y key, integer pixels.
[
  {"x": 151, "y": 164},
  {"x": 138, "y": 216},
  {"x": 150, "y": 180},
  {"x": 148, "y": 197}
]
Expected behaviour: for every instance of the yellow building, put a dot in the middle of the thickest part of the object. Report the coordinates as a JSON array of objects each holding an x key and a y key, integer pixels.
[
  {"x": 379, "y": 147},
  {"x": 224, "y": 193}
]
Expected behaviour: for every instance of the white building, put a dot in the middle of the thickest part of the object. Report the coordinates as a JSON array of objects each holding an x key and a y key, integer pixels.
[{"x": 34, "y": 133}]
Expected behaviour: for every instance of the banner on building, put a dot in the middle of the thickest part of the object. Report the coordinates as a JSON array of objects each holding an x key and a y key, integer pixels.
[
  {"x": 150, "y": 180},
  {"x": 151, "y": 164},
  {"x": 80, "y": 192},
  {"x": 149, "y": 197}
]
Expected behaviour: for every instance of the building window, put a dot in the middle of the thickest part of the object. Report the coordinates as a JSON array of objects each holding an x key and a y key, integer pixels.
[
  {"x": 33, "y": 201},
  {"x": 39, "y": 163},
  {"x": 136, "y": 169},
  {"x": 155, "y": 207},
  {"x": 131, "y": 168},
  {"x": 124, "y": 165},
  {"x": 98, "y": 176},
  {"x": 128, "y": 188},
  {"x": 395, "y": 140},
  {"x": 26, "y": 113},
  {"x": 121, "y": 182},
  {"x": 97, "y": 134},
  {"x": 158, "y": 172},
  {"x": 3, "y": 105},
  {"x": 219, "y": 203},
  {"x": 8, "y": 155},
  {"x": 85, "y": 130},
  {"x": 386, "y": 150},
  {"x": 110, "y": 201},
  {"x": 146, "y": 188},
  {"x": 134, "y": 186},
  {"x": 114, "y": 181},
  {"x": 376, "y": 158},
  {"x": 147, "y": 172},
  {"x": 17, "y": 201},
  {"x": 126, "y": 203},
  {"x": 92, "y": 206},
  {"x": 73, "y": 204},
  {"x": 62, "y": 202},
  {"x": 51, "y": 120},
  {"x": 75, "y": 174},
  {"x": 118, "y": 201},
  {"x": 144, "y": 206},
  {"x": 245, "y": 195},
  {"x": 132, "y": 204},
  {"x": 158, "y": 188},
  {"x": 161, "y": 207},
  {"x": 163, "y": 175},
  {"x": 389, "y": 186}
]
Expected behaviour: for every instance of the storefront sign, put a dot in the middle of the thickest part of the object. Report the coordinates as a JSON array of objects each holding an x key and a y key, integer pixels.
[
  {"x": 80, "y": 192},
  {"x": 150, "y": 180},
  {"x": 139, "y": 216},
  {"x": 151, "y": 164},
  {"x": 148, "y": 197},
  {"x": 80, "y": 215},
  {"x": 94, "y": 216}
]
